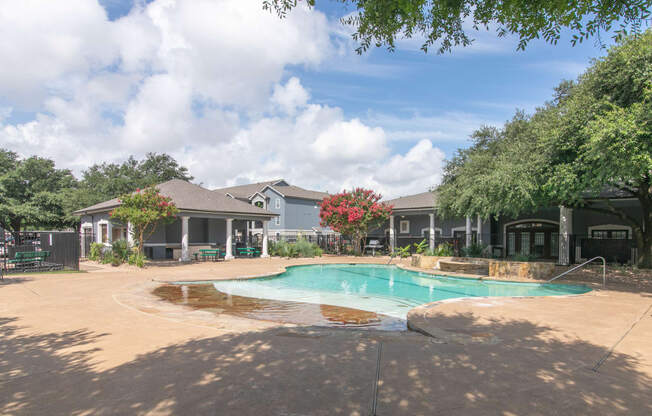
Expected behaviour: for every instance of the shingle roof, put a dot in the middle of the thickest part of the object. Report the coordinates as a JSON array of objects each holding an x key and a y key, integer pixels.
[
  {"x": 417, "y": 201},
  {"x": 292, "y": 191},
  {"x": 187, "y": 196}
]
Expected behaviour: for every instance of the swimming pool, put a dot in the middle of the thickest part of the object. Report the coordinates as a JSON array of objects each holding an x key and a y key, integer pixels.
[{"x": 382, "y": 289}]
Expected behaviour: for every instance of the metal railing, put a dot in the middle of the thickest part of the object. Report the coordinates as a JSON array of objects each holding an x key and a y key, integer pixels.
[{"x": 604, "y": 270}]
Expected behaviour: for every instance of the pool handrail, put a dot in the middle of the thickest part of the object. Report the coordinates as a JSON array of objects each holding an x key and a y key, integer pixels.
[{"x": 604, "y": 270}]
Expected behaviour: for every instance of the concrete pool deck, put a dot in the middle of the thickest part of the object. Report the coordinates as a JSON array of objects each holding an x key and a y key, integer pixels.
[{"x": 90, "y": 344}]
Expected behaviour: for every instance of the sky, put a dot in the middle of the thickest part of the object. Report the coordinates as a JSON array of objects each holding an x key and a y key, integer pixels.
[{"x": 238, "y": 95}]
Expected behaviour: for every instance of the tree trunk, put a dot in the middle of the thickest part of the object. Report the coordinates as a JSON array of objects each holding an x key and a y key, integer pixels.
[{"x": 15, "y": 231}]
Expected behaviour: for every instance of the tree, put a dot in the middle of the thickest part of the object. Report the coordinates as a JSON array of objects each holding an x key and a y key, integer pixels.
[
  {"x": 144, "y": 210},
  {"x": 354, "y": 213},
  {"x": 104, "y": 181},
  {"x": 32, "y": 192},
  {"x": 445, "y": 24},
  {"x": 595, "y": 136}
]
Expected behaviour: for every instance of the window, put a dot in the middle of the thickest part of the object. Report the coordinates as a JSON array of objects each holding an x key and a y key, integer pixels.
[
  {"x": 259, "y": 204},
  {"x": 610, "y": 234},
  {"x": 104, "y": 233},
  {"x": 277, "y": 221},
  {"x": 404, "y": 227},
  {"x": 277, "y": 203}
]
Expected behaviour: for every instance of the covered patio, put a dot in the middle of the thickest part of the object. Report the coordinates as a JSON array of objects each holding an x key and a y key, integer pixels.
[{"x": 206, "y": 220}]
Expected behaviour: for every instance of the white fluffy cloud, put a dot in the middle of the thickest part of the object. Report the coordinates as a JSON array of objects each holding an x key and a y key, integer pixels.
[{"x": 202, "y": 80}]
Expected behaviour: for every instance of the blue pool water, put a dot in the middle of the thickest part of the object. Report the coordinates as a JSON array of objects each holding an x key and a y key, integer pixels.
[{"x": 387, "y": 290}]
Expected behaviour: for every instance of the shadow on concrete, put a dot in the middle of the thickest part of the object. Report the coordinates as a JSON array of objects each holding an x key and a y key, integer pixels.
[{"x": 319, "y": 372}]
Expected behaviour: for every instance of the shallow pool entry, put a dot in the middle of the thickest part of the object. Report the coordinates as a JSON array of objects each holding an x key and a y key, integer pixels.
[
  {"x": 385, "y": 290},
  {"x": 206, "y": 297}
]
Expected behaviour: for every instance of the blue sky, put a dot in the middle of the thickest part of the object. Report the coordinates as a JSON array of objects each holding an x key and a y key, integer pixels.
[{"x": 290, "y": 98}]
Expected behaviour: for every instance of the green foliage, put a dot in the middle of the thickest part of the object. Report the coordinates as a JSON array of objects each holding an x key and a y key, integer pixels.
[
  {"x": 446, "y": 24},
  {"x": 474, "y": 250},
  {"x": 120, "y": 250},
  {"x": 107, "y": 256},
  {"x": 421, "y": 247},
  {"x": 136, "y": 258},
  {"x": 145, "y": 210},
  {"x": 96, "y": 251},
  {"x": 402, "y": 252},
  {"x": 595, "y": 135},
  {"x": 301, "y": 248},
  {"x": 104, "y": 181},
  {"x": 443, "y": 250},
  {"x": 522, "y": 257},
  {"x": 33, "y": 192}
]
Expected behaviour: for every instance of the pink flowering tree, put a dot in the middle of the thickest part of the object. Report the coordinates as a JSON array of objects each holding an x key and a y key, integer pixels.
[
  {"x": 354, "y": 213},
  {"x": 145, "y": 210}
]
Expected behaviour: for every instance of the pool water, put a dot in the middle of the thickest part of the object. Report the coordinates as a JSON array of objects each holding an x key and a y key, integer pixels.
[{"x": 381, "y": 289}]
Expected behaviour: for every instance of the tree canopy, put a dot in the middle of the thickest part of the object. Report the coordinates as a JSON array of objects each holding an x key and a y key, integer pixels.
[
  {"x": 33, "y": 192},
  {"x": 592, "y": 140},
  {"x": 104, "y": 181},
  {"x": 445, "y": 24}
]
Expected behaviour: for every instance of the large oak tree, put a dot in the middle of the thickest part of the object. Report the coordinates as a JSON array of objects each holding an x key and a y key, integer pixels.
[{"x": 593, "y": 140}]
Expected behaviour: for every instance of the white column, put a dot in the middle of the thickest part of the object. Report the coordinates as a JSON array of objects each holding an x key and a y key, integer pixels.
[
  {"x": 229, "y": 239},
  {"x": 185, "y": 253},
  {"x": 265, "y": 239},
  {"x": 130, "y": 234},
  {"x": 565, "y": 231},
  {"x": 431, "y": 232},
  {"x": 247, "y": 233},
  {"x": 479, "y": 231},
  {"x": 468, "y": 232},
  {"x": 392, "y": 239}
]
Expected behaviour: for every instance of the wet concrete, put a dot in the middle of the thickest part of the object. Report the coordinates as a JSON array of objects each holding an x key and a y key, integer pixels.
[{"x": 206, "y": 297}]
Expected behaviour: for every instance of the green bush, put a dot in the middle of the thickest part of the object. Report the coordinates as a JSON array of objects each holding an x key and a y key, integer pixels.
[
  {"x": 120, "y": 250},
  {"x": 442, "y": 250},
  {"x": 107, "y": 256},
  {"x": 96, "y": 251},
  {"x": 474, "y": 250},
  {"x": 522, "y": 257},
  {"x": 302, "y": 248},
  {"x": 137, "y": 259},
  {"x": 402, "y": 252},
  {"x": 422, "y": 247}
]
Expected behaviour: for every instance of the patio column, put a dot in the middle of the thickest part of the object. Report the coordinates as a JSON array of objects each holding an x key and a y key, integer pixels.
[
  {"x": 565, "y": 231},
  {"x": 479, "y": 231},
  {"x": 229, "y": 239},
  {"x": 392, "y": 242},
  {"x": 265, "y": 239},
  {"x": 468, "y": 232},
  {"x": 431, "y": 232},
  {"x": 185, "y": 254}
]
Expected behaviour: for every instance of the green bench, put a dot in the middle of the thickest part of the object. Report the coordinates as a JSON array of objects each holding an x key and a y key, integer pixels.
[
  {"x": 208, "y": 253},
  {"x": 248, "y": 251},
  {"x": 23, "y": 258}
]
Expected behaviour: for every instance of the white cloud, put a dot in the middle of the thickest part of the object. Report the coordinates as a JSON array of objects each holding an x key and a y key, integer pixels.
[
  {"x": 291, "y": 96},
  {"x": 195, "y": 79}
]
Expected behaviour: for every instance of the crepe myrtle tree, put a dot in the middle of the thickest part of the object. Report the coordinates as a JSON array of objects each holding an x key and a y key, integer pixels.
[
  {"x": 144, "y": 210},
  {"x": 353, "y": 213}
]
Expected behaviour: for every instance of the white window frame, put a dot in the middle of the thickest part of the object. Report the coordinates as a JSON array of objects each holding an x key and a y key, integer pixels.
[
  {"x": 277, "y": 220},
  {"x": 401, "y": 223},
  {"x": 427, "y": 229},
  {"x": 277, "y": 203}
]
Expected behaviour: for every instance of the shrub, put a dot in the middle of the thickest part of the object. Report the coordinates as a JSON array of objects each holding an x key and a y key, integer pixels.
[
  {"x": 474, "y": 250},
  {"x": 422, "y": 247},
  {"x": 302, "y": 248},
  {"x": 120, "y": 250},
  {"x": 116, "y": 261},
  {"x": 522, "y": 257},
  {"x": 137, "y": 259},
  {"x": 96, "y": 251},
  {"x": 402, "y": 252},
  {"x": 443, "y": 250},
  {"x": 107, "y": 256}
]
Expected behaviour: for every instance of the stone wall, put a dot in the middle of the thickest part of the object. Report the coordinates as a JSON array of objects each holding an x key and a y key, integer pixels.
[
  {"x": 492, "y": 268},
  {"x": 521, "y": 270}
]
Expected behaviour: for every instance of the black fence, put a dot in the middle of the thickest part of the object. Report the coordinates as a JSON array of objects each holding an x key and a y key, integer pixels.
[
  {"x": 86, "y": 239},
  {"x": 33, "y": 251}
]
